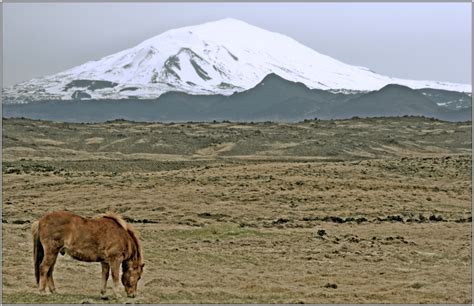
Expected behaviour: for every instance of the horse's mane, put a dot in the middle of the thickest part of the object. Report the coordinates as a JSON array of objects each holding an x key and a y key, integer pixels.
[
  {"x": 137, "y": 251},
  {"x": 116, "y": 218}
]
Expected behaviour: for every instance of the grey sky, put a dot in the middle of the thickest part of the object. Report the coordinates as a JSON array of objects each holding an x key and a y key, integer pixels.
[{"x": 430, "y": 41}]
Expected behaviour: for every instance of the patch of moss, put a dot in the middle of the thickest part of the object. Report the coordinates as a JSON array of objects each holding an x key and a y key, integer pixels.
[
  {"x": 224, "y": 85},
  {"x": 78, "y": 95},
  {"x": 190, "y": 52},
  {"x": 173, "y": 61},
  {"x": 90, "y": 84},
  {"x": 168, "y": 71},
  {"x": 201, "y": 72},
  {"x": 154, "y": 77},
  {"x": 233, "y": 56},
  {"x": 128, "y": 88}
]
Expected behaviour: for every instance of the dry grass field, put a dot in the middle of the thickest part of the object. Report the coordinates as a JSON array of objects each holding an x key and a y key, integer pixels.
[{"x": 350, "y": 211}]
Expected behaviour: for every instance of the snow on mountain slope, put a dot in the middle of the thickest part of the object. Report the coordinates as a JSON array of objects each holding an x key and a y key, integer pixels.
[{"x": 220, "y": 57}]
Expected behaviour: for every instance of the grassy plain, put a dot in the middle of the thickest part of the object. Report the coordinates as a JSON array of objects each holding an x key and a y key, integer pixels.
[{"x": 350, "y": 211}]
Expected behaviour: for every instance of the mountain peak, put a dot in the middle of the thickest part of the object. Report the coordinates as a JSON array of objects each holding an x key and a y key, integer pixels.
[
  {"x": 226, "y": 24},
  {"x": 228, "y": 21},
  {"x": 223, "y": 30},
  {"x": 218, "y": 57}
]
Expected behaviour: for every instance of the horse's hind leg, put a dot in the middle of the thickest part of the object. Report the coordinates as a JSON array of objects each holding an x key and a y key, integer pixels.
[
  {"x": 105, "y": 277},
  {"x": 50, "y": 276},
  {"x": 45, "y": 266}
]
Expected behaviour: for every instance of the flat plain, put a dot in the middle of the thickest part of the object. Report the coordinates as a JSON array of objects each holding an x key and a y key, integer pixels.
[{"x": 347, "y": 211}]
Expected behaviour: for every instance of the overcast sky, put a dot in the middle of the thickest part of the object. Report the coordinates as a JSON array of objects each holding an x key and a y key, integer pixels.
[{"x": 426, "y": 41}]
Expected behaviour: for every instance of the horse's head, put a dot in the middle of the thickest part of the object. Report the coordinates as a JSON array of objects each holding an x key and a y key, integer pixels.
[{"x": 132, "y": 272}]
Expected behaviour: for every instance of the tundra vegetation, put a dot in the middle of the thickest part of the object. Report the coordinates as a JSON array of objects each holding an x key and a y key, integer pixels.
[{"x": 344, "y": 211}]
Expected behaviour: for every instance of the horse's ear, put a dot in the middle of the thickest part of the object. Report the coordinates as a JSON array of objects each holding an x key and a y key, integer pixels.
[{"x": 143, "y": 264}]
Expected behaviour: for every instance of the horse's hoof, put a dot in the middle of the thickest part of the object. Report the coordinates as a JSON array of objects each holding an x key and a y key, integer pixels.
[
  {"x": 103, "y": 295},
  {"x": 43, "y": 292}
]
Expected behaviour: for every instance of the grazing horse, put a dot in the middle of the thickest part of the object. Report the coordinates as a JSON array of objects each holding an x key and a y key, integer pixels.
[{"x": 107, "y": 239}]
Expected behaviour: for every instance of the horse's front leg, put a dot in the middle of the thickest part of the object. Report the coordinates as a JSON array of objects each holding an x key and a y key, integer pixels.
[
  {"x": 115, "y": 269},
  {"x": 105, "y": 277}
]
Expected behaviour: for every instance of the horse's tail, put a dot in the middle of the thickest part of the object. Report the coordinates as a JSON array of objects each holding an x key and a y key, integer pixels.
[{"x": 38, "y": 252}]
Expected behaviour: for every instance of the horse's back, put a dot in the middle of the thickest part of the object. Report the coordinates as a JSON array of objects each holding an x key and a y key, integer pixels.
[
  {"x": 59, "y": 217},
  {"x": 56, "y": 226},
  {"x": 59, "y": 220}
]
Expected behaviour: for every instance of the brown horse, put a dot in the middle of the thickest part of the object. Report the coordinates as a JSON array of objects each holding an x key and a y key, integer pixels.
[{"x": 107, "y": 239}]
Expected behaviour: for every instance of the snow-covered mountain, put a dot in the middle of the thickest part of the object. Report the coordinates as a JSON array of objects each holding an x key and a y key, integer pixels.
[{"x": 220, "y": 57}]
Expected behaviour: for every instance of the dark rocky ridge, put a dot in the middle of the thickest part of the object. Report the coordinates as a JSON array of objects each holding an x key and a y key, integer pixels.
[{"x": 273, "y": 99}]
